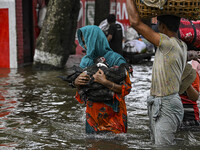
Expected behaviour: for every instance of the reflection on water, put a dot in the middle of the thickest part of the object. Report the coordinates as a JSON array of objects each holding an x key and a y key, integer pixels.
[{"x": 38, "y": 111}]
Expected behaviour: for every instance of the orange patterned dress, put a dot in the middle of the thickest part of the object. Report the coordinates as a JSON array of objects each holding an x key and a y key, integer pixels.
[{"x": 107, "y": 116}]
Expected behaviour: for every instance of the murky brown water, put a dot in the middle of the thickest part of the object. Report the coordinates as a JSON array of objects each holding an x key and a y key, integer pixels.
[{"x": 38, "y": 111}]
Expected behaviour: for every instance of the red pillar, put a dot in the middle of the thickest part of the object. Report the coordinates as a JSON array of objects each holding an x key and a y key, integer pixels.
[{"x": 4, "y": 39}]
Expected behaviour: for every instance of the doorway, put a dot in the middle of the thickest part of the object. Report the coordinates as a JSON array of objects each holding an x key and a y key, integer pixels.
[{"x": 28, "y": 39}]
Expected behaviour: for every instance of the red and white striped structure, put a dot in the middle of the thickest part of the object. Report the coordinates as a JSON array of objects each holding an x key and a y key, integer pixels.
[
  {"x": 18, "y": 31},
  {"x": 8, "y": 43}
]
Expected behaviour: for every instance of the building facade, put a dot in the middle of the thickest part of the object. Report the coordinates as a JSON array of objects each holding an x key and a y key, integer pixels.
[
  {"x": 19, "y": 27},
  {"x": 18, "y": 32}
]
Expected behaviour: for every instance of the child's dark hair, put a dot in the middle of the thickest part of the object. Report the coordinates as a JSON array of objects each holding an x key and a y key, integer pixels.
[
  {"x": 111, "y": 18},
  {"x": 172, "y": 22}
]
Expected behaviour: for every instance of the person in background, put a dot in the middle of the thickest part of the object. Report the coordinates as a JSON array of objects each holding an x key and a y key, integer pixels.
[
  {"x": 105, "y": 116},
  {"x": 115, "y": 36},
  {"x": 104, "y": 26},
  {"x": 165, "y": 109},
  {"x": 196, "y": 66},
  {"x": 42, "y": 13},
  {"x": 194, "y": 57},
  {"x": 189, "y": 93},
  {"x": 39, "y": 15}
]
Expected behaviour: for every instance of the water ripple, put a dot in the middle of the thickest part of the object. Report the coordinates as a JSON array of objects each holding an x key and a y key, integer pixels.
[{"x": 38, "y": 111}]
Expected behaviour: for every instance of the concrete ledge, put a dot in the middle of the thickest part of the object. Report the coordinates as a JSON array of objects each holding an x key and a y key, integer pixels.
[
  {"x": 47, "y": 58},
  {"x": 73, "y": 60}
]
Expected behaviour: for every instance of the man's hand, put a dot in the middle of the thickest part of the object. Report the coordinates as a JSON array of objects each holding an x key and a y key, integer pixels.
[{"x": 193, "y": 55}]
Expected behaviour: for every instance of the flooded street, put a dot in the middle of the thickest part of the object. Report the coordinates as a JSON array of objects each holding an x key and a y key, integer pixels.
[{"x": 38, "y": 111}]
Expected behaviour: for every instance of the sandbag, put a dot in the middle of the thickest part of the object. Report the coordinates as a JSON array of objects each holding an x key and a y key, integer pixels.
[{"x": 135, "y": 46}]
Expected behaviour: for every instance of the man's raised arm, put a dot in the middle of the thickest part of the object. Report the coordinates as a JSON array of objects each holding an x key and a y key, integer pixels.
[{"x": 139, "y": 26}]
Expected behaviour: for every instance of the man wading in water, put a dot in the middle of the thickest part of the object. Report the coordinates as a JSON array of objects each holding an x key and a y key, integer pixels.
[{"x": 164, "y": 105}]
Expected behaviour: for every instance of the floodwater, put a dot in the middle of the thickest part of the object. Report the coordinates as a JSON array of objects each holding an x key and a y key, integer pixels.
[{"x": 38, "y": 111}]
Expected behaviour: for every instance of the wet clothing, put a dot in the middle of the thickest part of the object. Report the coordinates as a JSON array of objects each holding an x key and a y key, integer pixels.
[
  {"x": 188, "y": 77},
  {"x": 116, "y": 42},
  {"x": 105, "y": 116},
  {"x": 164, "y": 105},
  {"x": 165, "y": 114},
  {"x": 168, "y": 66},
  {"x": 191, "y": 110},
  {"x": 108, "y": 116}
]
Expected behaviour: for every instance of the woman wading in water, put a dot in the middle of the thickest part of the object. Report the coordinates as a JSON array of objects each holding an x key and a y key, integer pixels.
[{"x": 104, "y": 116}]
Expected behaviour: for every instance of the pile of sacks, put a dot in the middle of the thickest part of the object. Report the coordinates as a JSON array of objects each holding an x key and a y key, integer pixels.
[{"x": 135, "y": 43}]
